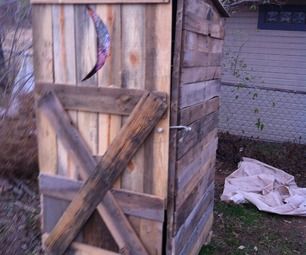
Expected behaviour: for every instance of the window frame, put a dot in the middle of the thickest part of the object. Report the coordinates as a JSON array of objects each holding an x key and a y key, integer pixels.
[{"x": 263, "y": 9}]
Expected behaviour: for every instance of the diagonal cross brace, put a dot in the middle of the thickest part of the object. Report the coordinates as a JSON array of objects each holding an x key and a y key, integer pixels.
[
  {"x": 144, "y": 117},
  {"x": 126, "y": 239}
]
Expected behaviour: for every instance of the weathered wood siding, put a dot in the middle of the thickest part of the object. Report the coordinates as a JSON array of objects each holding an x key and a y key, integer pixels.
[
  {"x": 198, "y": 104},
  {"x": 177, "y": 170},
  {"x": 269, "y": 58},
  {"x": 65, "y": 51}
]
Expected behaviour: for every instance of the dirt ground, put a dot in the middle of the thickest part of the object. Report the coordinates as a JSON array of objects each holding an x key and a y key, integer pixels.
[
  {"x": 237, "y": 229},
  {"x": 242, "y": 229}
]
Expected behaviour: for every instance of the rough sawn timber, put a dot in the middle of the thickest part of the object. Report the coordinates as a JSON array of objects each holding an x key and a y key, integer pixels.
[
  {"x": 73, "y": 142},
  {"x": 149, "y": 110},
  {"x": 94, "y": 99},
  {"x": 132, "y": 203}
]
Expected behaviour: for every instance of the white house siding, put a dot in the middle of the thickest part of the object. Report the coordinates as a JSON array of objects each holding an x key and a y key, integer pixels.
[{"x": 272, "y": 75}]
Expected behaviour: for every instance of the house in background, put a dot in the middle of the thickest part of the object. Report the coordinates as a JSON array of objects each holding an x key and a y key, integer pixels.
[{"x": 264, "y": 77}]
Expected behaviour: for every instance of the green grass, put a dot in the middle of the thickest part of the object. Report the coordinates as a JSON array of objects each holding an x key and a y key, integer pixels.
[
  {"x": 246, "y": 214},
  {"x": 258, "y": 233}
]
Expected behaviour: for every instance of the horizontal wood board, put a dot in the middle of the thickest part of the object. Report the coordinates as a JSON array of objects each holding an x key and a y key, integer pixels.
[
  {"x": 143, "y": 63},
  {"x": 132, "y": 203}
]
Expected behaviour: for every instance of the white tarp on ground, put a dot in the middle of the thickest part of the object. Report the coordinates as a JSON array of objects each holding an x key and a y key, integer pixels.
[{"x": 268, "y": 188}]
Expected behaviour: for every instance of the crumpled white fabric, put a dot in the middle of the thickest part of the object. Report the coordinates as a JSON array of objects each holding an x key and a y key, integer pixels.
[{"x": 268, "y": 188}]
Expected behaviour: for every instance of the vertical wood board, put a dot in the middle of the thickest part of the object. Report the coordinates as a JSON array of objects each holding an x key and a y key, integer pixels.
[
  {"x": 43, "y": 61},
  {"x": 64, "y": 71}
]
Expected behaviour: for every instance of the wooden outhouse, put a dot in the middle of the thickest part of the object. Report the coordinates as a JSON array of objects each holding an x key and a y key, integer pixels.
[{"x": 127, "y": 157}]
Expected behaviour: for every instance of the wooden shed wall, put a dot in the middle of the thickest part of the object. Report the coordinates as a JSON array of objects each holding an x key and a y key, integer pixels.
[
  {"x": 200, "y": 44},
  {"x": 65, "y": 51}
]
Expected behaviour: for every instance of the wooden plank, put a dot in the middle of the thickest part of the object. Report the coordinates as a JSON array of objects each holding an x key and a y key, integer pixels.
[
  {"x": 98, "y": 1},
  {"x": 93, "y": 99},
  {"x": 133, "y": 76},
  {"x": 175, "y": 93},
  {"x": 199, "y": 215},
  {"x": 203, "y": 19},
  {"x": 186, "y": 170},
  {"x": 193, "y": 155},
  {"x": 195, "y": 59},
  {"x": 42, "y": 31},
  {"x": 213, "y": 29},
  {"x": 43, "y": 63},
  {"x": 86, "y": 58},
  {"x": 150, "y": 108},
  {"x": 83, "y": 249},
  {"x": 53, "y": 210},
  {"x": 132, "y": 203},
  {"x": 157, "y": 50},
  {"x": 202, "y": 43},
  {"x": 158, "y": 71},
  {"x": 110, "y": 75},
  {"x": 182, "y": 194},
  {"x": 109, "y": 210},
  {"x": 198, "y": 74},
  {"x": 190, "y": 114},
  {"x": 199, "y": 130},
  {"x": 64, "y": 71},
  {"x": 199, "y": 92},
  {"x": 141, "y": 205},
  {"x": 193, "y": 198},
  {"x": 200, "y": 235},
  {"x": 86, "y": 48}
]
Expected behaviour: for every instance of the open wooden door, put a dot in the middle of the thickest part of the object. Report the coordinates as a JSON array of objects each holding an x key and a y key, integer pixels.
[{"x": 64, "y": 51}]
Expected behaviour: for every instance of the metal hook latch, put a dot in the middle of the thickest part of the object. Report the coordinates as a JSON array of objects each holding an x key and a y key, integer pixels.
[{"x": 181, "y": 127}]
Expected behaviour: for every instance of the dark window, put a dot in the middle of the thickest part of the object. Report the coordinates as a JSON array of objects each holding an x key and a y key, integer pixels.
[{"x": 284, "y": 17}]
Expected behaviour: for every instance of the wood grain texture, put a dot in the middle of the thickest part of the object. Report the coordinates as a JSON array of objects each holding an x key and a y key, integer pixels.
[
  {"x": 109, "y": 210},
  {"x": 85, "y": 60},
  {"x": 157, "y": 50},
  {"x": 194, "y": 58},
  {"x": 64, "y": 72},
  {"x": 200, "y": 234},
  {"x": 202, "y": 43},
  {"x": 132, "y": 203},
  {"x": 93, "y": 99},
  {"x": 183, "y": 194},
  {"x": 190, "y": 114},
  {"x": 199, "y": 92},
  {"x": 43, "y": 61},
  {"x": 110, "y": 75},
  {"x": 133, "y": 76},
  {"x": 150, "y": 108},
  {"x": 198, "y": 74},
  {"x": 193, "y": 198},
  {"x": 190, "y": 164},
  {"x": 194, "y": 222},
  {"x": 201, "y": 18},
  {"x": 86, "y": 48},
  {"x": 175, "y": 94},
  {"x": 199, "y": 130},
  {"x": 77, "y": 248}
]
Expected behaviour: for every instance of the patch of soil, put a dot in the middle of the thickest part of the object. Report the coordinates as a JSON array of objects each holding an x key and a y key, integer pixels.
[
  {"x": 242, "y": 229},
  {"x": 289, "y": 157},
  {"x": 238, "y": 229}
]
